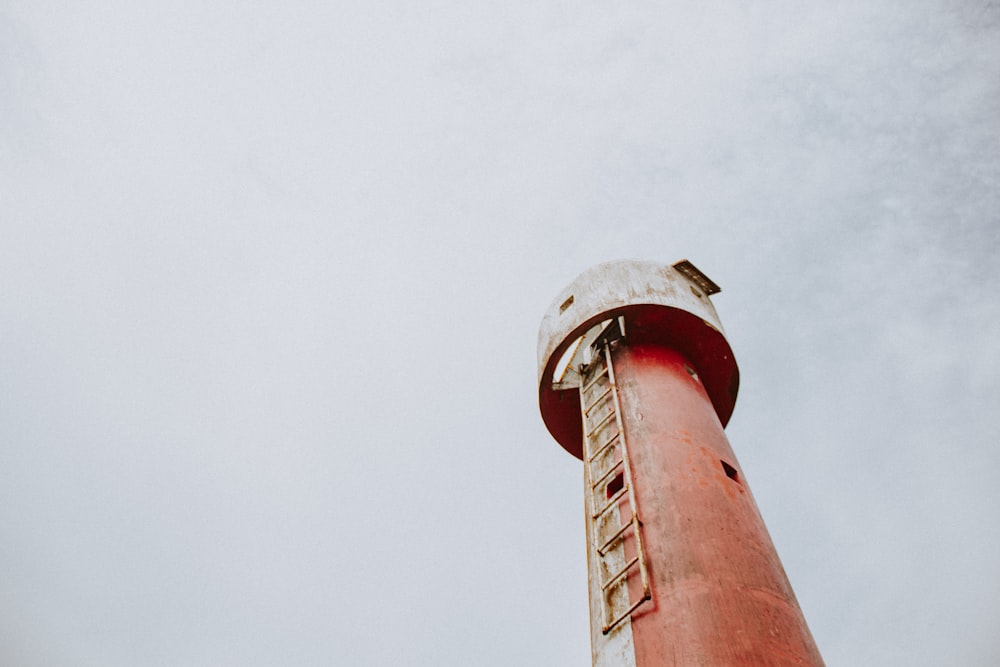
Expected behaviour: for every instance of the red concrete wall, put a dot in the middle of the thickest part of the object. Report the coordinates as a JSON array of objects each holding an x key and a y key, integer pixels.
[{"x": 720, "y": 594}]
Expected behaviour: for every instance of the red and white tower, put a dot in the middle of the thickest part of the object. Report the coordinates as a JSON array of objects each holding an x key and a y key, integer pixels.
[{"x": 637, "y": 380}]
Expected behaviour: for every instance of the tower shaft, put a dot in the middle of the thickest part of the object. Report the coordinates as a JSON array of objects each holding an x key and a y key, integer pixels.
[
  {"x": 720, "y": 594},
  {"x": 637, "y": 380}
]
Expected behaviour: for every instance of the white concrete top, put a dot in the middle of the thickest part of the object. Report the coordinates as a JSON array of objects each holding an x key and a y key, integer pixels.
[{"x": 611, "y": 285}]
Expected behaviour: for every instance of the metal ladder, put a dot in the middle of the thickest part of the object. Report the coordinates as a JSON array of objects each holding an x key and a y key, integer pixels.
[{"x": 609, "y": 483}]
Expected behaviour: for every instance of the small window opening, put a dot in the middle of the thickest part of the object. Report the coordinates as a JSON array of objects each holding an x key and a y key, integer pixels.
[
  {"x": 696, "y": 292},
  {"x": 566, "y": 304},
  {"x": 616, "y": 484},
  {"x": 730, "y": 471}
]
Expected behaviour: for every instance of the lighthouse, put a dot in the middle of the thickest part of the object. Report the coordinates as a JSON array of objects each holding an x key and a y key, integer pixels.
[{"x": 638, "y": 381}]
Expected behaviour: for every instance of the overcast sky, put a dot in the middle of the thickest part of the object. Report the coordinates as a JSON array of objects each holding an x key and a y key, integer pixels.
[{"x": 271, "y": 276}]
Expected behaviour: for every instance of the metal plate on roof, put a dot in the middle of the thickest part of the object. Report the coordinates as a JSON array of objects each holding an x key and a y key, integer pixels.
[{"x": 692, "y": 273}]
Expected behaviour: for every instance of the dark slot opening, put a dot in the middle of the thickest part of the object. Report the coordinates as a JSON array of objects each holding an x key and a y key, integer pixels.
[
  {"x": 616, "y": 484},
  {"x": 730, "y": 471},
  {"x": 566, "y": 304}
]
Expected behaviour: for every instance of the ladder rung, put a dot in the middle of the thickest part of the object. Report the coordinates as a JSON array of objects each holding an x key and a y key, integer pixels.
[
  {"x": 621, "y": 573},
  {"x": 614, "y": 538},
  {"x": 625, "y": 614},
  {"x": 593, "y": 380},
  {"x": 601, "y": 424},
  {"x": 590, "y": 406},
  {"x": 604, "y": 447},
  {"x": 607, "y": 474},
  {"x": 612, "y": 501}
]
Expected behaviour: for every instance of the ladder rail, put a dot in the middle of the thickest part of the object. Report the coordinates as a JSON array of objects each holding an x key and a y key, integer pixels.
[
  {"x": 593, "y": 381},
  {"x": 589, "y": 484},
  {"x": 603, "y": 448},
  {"x": 601, "y": 424},
  {"x": 608, "y": 627},
  {"x": 593, "y": 404},
  {"x": 606, "y": 475},
  {"x": 610, "y": 583},
  {"x": 592, "y": 526},
  {"x": 610, "y": 578},
  {"x": 628, "y": 475},
  {"x": 612, "y": 501},
  {"x": 614, "y": 538}
]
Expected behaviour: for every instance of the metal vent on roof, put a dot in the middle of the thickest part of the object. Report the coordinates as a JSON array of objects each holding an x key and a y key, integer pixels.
[{"x": 691, "y": 272}]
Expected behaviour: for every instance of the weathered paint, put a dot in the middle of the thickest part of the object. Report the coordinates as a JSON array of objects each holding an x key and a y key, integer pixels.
[
  {"x": 719, "y": 593},
  {"x": 617, "y": 648},
  {"x": 652, "y": 296}
]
